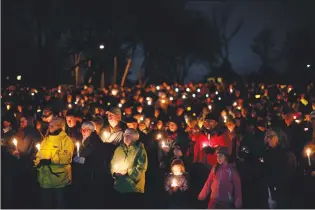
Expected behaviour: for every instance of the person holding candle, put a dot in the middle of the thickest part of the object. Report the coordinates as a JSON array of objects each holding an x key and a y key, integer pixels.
[
  {"x": 176, "y": 185},
  {"x": 89, "y": 175},
  {"x": 278, "y": 169},
  {"x": 128, "y": 167},
  {"x": 113, "y": 133},
  {"x": 73, "y": 126},
  {"x": 223, "y": 184},
  {"x": 53, "y": 163}
]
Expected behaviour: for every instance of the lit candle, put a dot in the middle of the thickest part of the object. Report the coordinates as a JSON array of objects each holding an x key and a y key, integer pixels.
[
  {"x": 78, "y": 148},
  {"x": 159, "y": 136},
  {"x": 15, "y": 143},
  {"x": 163, "y": 101},
  {"x": 69, "y": 106},
  {"x": 171, "y": 98},
  {"x": 38, "y": 148},
  {"x": 8, "y": 107},
  {"x": 308, "y": 153},
  {"x": 174, "y": 183},
  {"x": 209, "y": 136}
]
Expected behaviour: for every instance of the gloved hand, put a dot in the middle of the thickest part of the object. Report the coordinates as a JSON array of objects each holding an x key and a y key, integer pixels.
[
  {"x": 45, "y": 162},
  {"x": 208, "y": 150},
  {"x": 79, "y": 160}
]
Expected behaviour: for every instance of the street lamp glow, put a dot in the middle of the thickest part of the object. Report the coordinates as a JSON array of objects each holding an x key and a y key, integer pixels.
[
  {"x": 19, "y": 77},
  {"x": 102, "y": 46},
  {"x": 308, "y": 65}
]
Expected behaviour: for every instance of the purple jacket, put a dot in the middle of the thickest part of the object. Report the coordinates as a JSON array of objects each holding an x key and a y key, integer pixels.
[{"x": 224, "y": 187}]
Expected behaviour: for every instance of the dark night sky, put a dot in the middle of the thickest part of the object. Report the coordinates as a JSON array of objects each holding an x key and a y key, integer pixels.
[{"x": 281, "y": 15}]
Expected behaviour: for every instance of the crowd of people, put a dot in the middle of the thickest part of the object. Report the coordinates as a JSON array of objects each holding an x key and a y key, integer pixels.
[{"x": 199, "y": 145}]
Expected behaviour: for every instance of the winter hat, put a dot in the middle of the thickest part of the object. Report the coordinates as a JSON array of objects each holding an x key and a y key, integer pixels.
[
  {"x": 223, "y": 150},
  {"x": 115, "y": 111},
  {"x": 213, "y": 116}
]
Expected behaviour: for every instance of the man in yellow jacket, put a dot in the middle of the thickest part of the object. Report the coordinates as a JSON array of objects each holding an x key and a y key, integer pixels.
[
  {"x": 128, "y": 167},
  {"x": 53, "y": 163}
]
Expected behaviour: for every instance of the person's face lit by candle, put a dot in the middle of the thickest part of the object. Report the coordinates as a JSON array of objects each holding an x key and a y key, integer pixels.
[
  {"x": 230, "y": 125},
  {"x": 86, "y": 132},
  {"x": 71, "y": 122},
  {"x": 23, "y": 122},
  {"x": 113, "y": 119},
  {"x": 271, "y": 139},
  {"x": 130, "y": 136},
  {"x": 159, "y": 125},
  {"x": 177, "y": 170},
  {"x": 180, "y": 111},
  {"x": 221, "y": 158},
  {"x": 173, "y": 127},
  {"x": 139, "y": 109},
  {"x": 128, "y": 110}
]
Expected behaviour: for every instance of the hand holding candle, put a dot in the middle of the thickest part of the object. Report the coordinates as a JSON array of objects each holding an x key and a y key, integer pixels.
[{"x": 174, "y": 183}]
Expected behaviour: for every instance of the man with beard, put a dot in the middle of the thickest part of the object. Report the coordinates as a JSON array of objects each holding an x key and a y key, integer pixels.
[{"x": 73, "y": 127}]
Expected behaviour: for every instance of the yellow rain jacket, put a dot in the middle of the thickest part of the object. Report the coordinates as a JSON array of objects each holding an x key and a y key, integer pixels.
[
  {"x": 134, "y": 161},
  {"x": 59, "y": 149}
]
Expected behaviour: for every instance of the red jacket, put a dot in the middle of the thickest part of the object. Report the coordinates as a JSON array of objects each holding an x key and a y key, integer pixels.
[
  {"x": 224, "y": 186},
  {"x": 201, "y": 140}
]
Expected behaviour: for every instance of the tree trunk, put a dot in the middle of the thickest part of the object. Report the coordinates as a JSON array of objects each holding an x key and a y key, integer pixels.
[{"x": 126, "y": 72}]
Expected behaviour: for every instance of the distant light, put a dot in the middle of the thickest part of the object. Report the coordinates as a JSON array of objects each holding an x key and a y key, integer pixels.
[
  {"x": 216, "y": 92},
  {"x": 187, "y": 90},
  {"x": 194, "y": 114},
  {"x": 163, "y": 101},
  {"x": 308, "y": 65},
  {"x": 108, "y": 104},
  {"x": 19, "y": 77},
  {"x": 231, "y": 90},
  {"x": 149, "y": 103},
  {"x": 59, "y": 91},
  {"x": 219, "y": 98},
  {"x": 207, "y": 95},
  {"x": 176, "y": 90},
  {"x": 39, "y": 110},
  {"x": 158, "y": 87},
  {"x": 198, "y": 90},
  {"x": 234, "y": 104},
  {"x": 32, "y": 94},
  {"x": 257, "y": 96},
  {"x": 7, "y": 78},
  {"x": 183, "y": 96},
  {"x": 305, "y": 129},
  {"x": 210, "y": 107},
  {"x": 193, "y": 95},
  {"x": 148, "y": 98},
  {"x": 69, "y": 106},
  {"x": 171, "y": 98},
  {"x": 8, "y": 107},
  {"x": 119, "y": 105},
  {"x": 102, "y": 46},
  {"x": 10, "y": 94},
  {"x": 189, "y": 108}
]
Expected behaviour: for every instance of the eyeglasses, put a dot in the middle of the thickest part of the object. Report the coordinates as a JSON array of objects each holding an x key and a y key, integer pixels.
[{"x": 85, "y": 130}]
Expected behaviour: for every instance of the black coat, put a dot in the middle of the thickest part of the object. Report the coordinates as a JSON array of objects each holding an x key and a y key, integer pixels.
[{"x": 93, "y": 168}]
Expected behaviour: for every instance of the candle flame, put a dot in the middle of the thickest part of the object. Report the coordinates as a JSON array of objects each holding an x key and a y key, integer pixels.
[
  {"x": 308, "y": 151},
  {"x": 38, "y": 146},
  {"x": 15, "y": 142},
  {"x": 174, "y": 183}
]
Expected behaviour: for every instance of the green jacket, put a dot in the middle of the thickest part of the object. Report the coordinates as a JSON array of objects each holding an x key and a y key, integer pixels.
[
  {"x": 134, "y": 161},
  {"x": 59, "y": 149}
]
